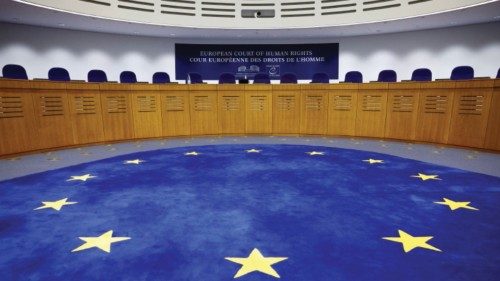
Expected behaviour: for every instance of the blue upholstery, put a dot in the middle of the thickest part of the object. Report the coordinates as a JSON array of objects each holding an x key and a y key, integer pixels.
[
  {"x": 387, "y": 76},
  {"x": 96, "y": 75},
  {"x": 261, "y": 78},
  {"x": 498, "y": 73},
  {"x": 320, "y": 77},
  {"x": 227, "y": 78},
  {"x": 462, "y": 73},
  {"x": 353, "y": 77},
  {"x": 58, "y": 74},
  {"x": 161, "y": 78},
  {"x": 14, "y": 71},
  {"x": 195, "y": 78},
  {"x": 288, "y": 78},
  {"x": 421, "y": 74},
  {"x": 128, "y": 77}
]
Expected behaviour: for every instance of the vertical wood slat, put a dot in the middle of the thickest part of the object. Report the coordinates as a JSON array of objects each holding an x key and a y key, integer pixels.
[
  {"x": 492, "y": 138},
  {"x": 146, "y": 110},
  {"x": 258, "y": 107},
  {"x": 286, "y": 109},
  {"x": 314, "y": 116},
  {"x": 402, "y": 110},
  {"x": 342, "y": 104},
  {"x": 231, "y": 99},
  {"x": 371, "y": 110},
  {"x": 175, "y": 110},
  {"x": 117, "y": 116},
  {"x": 203, "y": 106}
]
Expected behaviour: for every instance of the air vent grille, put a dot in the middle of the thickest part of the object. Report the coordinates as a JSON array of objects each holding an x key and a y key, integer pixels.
[
  {"x": 136, "y": 5},
  {"x": 51, "y": 105},
  {"x": 403, "y": 104},
  {"x": 116, "y": 104},
  {"x": 471, "y": 105},
  {"x": 146, "y": 103},
  {"x": 298, "y": 9},
  {"x": 85, "y": 105},
  {"x": 342, "y": 103},
  {"x": 202, "y": 103},
  {"x": 333, "y": 7},
  {"x": 372, "y": 103},
  {"x": 100, "y": 2},
  {"x": 436, "y": 104},
  {"x": 231, "y": 103},
  {"x": 178, "y": 7},
  {"x": 314, "y": 102},
  {"x": 11, "y": 106},
  {"x": 286, "y": 103},
  {"x": 379, "y": 5},
  {"x": 218, "y": 9},
  {"x": 258, "y": 103},
  {"x": 174, "y": 103}
]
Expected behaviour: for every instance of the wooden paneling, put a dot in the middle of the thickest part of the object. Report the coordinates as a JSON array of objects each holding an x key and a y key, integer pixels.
[
  {"x": 342, "y": 104},
  {"x": 175, "y": 111},
  {"x": 434, "y": 111},
  {"x": 286, "y": 109},
  {"x": 52, "y": 115},
  {"x": 471, "y": 108},
  {"x": 402, "y": 110},
  {"x": 18, "y": 131},
  {"x": 492, "y": 139},
  {"x": 371, "y": 110},
  {"x": 258, "y": 105},
  {"x": 231, "y": 100},
  {"x": 117, "y": 117},
  {"x": 146, "y": 110},
  {"x": 314, "y": 112},
  {"x": 203, "y": 106},
  {"x": 86, "y": 112}
]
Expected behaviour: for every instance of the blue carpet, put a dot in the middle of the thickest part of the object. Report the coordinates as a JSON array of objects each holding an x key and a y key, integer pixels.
[{"x": 184, "y": 214}]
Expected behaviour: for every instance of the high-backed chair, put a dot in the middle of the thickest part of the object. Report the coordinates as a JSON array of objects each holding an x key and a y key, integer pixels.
[
  {"x": 14, "y": 71},
  {"x": 161, "y": 78},
  {"x": 227, "y": 78},
  {"x": 97, "y": 75},
  {"x": 128, "y": 77},
  {"x": 498, "y": 73},
  {"x": 320, "y": 77},
  {"x": 261, "y": 78},
  {"x": 288, "y": 78},
  {"x": 387, "y": 76},
  {"x": 353, "y": 77},
  {"x": 58, "y": 74},
  {"x": 421, "y": 74},
  {"x": 462, "y": 73},
  {"x": 195, "y": 78}
]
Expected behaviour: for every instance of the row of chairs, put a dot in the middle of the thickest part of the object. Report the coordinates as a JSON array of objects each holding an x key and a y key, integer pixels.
[{"x": 13, "y": 71}]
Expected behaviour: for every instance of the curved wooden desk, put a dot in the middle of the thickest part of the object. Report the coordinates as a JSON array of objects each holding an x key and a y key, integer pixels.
[{"x": 37, "y": 115}]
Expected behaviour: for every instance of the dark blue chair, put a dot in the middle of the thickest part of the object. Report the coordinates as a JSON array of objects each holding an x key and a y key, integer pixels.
[
  {"x": 227, "y": 78},
  {"x": 462, "y": 73},
  {"x": 96, "y": 75},
  {"x": 498, "y": 73},
  {"x": 353, "y": 77},
  {"x": 320, "y": 77},
  {"x": 14, "y": 71},
  {"x": 421, "y": 74},
  {"x": 58, "y": 74},
  {"x": 161, "y": 78},
  {"x": 261, "y": 78},
  {"x": 387, "y": 76},
  {"x": 128, "y": 77},
  {"x": 288, "y": 78},
  {"x": 195, "y": 78}
]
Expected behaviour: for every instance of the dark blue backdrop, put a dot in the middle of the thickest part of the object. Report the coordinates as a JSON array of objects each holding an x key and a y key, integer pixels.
[{"x": 246, "y": 60}]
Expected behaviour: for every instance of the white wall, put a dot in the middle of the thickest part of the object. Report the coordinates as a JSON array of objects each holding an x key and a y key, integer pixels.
[{"x": 39, "y": 49}]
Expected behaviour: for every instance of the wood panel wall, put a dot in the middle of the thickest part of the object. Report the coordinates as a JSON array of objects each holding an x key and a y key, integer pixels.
[
  {"x": 286, "y": 109},
  {"x": 231, "y": 101},
  {"x": 314, "y": 113},
  {"x": 175, "y": 109},
  {"x": 258, "y": 108},
  {"x": 492, "y": 139}
]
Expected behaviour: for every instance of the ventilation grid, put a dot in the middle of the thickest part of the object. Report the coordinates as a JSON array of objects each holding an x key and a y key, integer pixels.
[
  {"x": 412, "y": 2},
  {"x": 178, "y": 7},
  {"x": 372, "y": 103},
  {"x": 379, "y": 5},
  {"x": 11, "y": 106},
  {"x": 297, "y": 9},
  {"x": 146, "y": 103},
  {"x": 335, "y": 7},
  {"x": 258, "y": 103},
  {"x": 175, "y": 103},
  {"x": 98, "y": 2},
  {"x": 231, "y": 103},
  {"x": 403, "y": 104},
  {"x": 137, "y": 5},
  {"x": 342, "y": 103},
  {"x": 85, "y": 105},
  {"x": 253, "y": 4},
  {"x": 116, "y": 104},
  {"x": 436, "y": 104},
  {"x": 202, "y": 103},
  {"x": 471, "y": 105},
  {"x": 286, "y": 103},
  {"x": 218, "y": 9},
  {"x": 314, "y": 103},
  {"x": 51, "y": 105}
]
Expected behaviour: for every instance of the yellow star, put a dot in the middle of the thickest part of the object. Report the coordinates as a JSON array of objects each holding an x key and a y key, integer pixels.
[
  {"x": 81, "y": 178},
  {"x": 192, "y": 153},
  {"x": 373, "y": 161},
  {"x": 136, "y": 161},
  {"x": 256, "y": 262},
  {"x": 253, "y": 150},
  {"x": 56, "y": 205},
  {"x": 425, "y": 177},
  {"x": 456, "y": 205},
  {"x": 102, "y": 242},
  {"x": 411, "y": 242},
  {"x": 312, "y": 153}
]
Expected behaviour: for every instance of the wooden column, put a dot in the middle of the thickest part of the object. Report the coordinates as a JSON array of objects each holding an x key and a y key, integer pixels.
[
  {"x": 231, "y": 108},
  {"x": 117, "y": 116},
  {"x": 342, "y": 103},
  {"x": 371, "y": 110},
  {"x": 286, "y": 108},
  {"x": 203, "y": 106},
  {"x": 146, "y": 110},
  {"x": 175, "y": 111},
  {"x": 492, "y": 139},
  {"x": 314, "y": 112},
  {"x": 402, "y": 110},
  {"x": 258, "y": 104}
]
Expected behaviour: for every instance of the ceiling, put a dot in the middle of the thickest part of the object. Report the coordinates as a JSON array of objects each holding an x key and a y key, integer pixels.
[{"x": 14, "y": 11}]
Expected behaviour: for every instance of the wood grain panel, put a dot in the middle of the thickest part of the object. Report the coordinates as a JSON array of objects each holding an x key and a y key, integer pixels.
[
  {"x": 402, "y": 110},
  {"x": 434, "y": 111},
  {"x": 203, "y": 109},
  {"x": 492, "y": 139},
  {"x": 371, "y": 110},
  {"x": 342, "y": 102},
  {"x": 471, "y": 108},
  {"x": 176, "y": 119},
  {"x": 117, "y": 116},
  {"x": 86, "y": 111},
  {"x": 231, "y": 99},
  {"x": 17, "y": 119},
  {"x": 258, "y": 104},
  {"x": 146, "y": 110},
  {"x": 314, "y": 112},
  {"x": 286, "y": 109}
]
